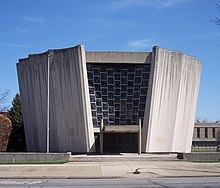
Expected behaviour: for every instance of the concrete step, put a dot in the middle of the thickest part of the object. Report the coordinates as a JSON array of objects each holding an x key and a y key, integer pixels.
[{"x": 124, "y": 157}]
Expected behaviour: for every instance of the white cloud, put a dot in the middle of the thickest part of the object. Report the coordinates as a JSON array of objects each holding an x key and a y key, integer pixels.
[
  {"x": 140, "y": 44},
  {"x": 31, "y": 18},
  {"x": 120, "y": 4}
]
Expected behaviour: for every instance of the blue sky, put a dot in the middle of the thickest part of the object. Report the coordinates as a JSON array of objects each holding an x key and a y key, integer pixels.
[{"x": 30, "y": 26}]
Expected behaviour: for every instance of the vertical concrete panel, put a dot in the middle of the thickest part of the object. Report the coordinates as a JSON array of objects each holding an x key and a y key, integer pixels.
[
  {"x": 32, "y": 74},
  {"x": 146, "y": 129},
  {"x": 172, "y": 98},
  {"x": 194, "y": 133},
  {"x": 188, "y": 96},
  {"x": 210, "y": 133},
  {"x": 202, "y": 133},
  {"x": 87, "y": 106},
  {"x": 70, "y": 120}
]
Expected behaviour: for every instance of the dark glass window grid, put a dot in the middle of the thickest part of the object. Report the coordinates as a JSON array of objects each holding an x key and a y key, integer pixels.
[{"x": 118, "y": 92}]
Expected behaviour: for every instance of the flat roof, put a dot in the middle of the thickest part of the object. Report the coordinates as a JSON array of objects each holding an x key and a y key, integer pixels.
[
  {"x": 207, "y": 125},
  {"x": 118, "y": 57}
]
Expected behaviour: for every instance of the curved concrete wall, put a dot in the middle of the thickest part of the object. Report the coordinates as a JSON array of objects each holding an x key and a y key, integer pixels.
[
  {"x": 170, "y": 107},
  {"x": 171, "y": 102},
  {"x": 71, "y": 126}
]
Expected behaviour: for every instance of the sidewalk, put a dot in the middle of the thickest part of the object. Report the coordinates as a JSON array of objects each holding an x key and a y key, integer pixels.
[
  {"x": 123, "y": 157},
  {"x": 115, "y": 169}
]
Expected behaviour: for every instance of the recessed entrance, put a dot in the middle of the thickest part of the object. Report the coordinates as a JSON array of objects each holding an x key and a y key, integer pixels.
[
  {"x": 120, "y": 142},
  {"x": 118, "y": 139}
]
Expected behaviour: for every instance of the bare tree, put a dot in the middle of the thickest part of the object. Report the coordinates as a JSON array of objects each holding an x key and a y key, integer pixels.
[
  {"x": 217, "y": 19},
  {"x": 3, "y": 99},
  {"x": 202, "y": 120}
]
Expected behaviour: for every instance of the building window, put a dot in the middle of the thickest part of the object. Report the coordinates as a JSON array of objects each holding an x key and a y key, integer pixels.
[
  {"x": 198, "y": 132},
  {"x": 118, "y": 92},
  {"x": 206, "y": 132},
  {"x": 213, "y": 132}
]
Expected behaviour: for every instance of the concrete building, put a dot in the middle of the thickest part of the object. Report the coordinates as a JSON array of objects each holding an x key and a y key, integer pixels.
[
  {"x": 205, "y": 136},
  {"x": 110, "y": 101}
]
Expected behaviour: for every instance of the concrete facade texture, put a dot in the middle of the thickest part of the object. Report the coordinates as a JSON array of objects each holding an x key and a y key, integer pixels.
[
  {"x": 170, "y": 108},
  {"x": 171, "y": 103},
  {"x": 70, "y": 117},
  {"x": 213, "y": 132},
  {"x": 34, "y": 157},
  {"x": 118, "y": 57},
  {"x": 206, "y": 137}
]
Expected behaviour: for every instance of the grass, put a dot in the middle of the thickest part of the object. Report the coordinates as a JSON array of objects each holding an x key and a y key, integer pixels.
[
  {"x": 205, "y": 161},
  {"x": 20, "y": 163},
  {"x": 204, "y": 150}
]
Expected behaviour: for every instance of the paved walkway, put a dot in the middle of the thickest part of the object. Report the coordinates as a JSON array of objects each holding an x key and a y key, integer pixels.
[
  {"x": 123, "y": 157},
  {"x": 115, "y": 169}
]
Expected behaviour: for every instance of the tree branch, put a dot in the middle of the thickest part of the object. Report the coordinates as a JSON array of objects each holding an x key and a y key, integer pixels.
[
  {"x": 3, "y": 98},
  {"x": 217, "y": 19}
]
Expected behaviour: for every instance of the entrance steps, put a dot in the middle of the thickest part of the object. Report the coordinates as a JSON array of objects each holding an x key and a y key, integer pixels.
[{"x": 123, "y": 157}]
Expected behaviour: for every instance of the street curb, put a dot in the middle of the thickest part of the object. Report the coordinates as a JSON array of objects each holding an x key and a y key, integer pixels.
[
  {"x": 110, "y": 177},
  {"x": 60, "y": 177}
]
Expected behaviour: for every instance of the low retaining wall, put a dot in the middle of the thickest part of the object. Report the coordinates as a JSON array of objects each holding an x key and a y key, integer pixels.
[
  {"x": 33, "y": 157},
  {"x": 200, "y": 156}
]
